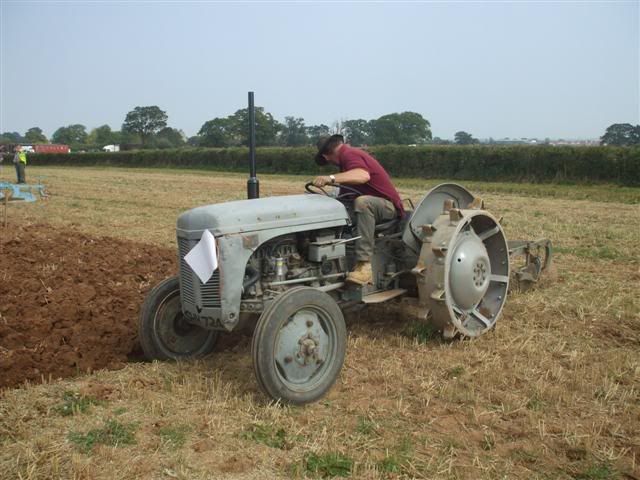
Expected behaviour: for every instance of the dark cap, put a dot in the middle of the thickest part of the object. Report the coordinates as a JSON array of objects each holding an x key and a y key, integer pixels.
[{"x": 325, "y": 145}]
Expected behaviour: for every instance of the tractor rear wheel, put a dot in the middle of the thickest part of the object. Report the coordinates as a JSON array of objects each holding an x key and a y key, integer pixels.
[
  {"x": 299, "y": 345},
  {"x": 163, "y": 331}
]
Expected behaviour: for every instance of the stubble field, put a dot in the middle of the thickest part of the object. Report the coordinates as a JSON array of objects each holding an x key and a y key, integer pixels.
[{"x": 552, "y": 392}]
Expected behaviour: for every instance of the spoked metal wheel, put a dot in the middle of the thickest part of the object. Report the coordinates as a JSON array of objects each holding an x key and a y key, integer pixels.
[
  {"x": 299, "y": 346},
  {"x": 164, "y": 332},
  {"x": 466, "y": 286}
]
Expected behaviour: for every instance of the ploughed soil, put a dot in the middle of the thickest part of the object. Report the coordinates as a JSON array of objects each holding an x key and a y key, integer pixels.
[{"x": 69, "y": 302}]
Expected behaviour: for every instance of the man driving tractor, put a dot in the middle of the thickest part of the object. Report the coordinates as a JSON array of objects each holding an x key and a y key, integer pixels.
[{"x": 378, "y": 201}]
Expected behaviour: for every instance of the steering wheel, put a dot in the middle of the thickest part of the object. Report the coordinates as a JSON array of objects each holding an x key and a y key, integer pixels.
[
  {"x": 350, "y": 192},
  {"x": 309, "y": 186}
]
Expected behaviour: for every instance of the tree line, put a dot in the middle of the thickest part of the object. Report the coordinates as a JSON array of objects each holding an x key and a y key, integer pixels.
[
  {"x": 143, "y": 127},
  {"x": 147, "y": 127},
  {"x": 404, "y": 128}
]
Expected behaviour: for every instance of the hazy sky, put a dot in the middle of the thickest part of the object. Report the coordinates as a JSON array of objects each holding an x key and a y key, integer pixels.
[{"x": 534, "y": 69}]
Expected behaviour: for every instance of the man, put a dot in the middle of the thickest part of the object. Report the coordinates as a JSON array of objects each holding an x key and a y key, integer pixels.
[
  {"x": 20, "y": 161},
  {"x": 378, "y": 201}
]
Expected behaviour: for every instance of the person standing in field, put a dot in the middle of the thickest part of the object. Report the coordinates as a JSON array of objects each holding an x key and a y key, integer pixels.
[{"x": 20, "y": 161}]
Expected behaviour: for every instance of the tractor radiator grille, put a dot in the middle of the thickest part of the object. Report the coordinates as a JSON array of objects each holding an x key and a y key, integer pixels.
[
  {"x": 186, "y": 274},
  {"x": 211, "y": 291},
  {"x": 190, "y": 285}
]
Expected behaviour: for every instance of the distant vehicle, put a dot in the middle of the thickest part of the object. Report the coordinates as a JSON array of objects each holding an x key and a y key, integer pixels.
[
  {"x": 111, "y": 148},
  {"x": 50, "y": 148},
  {"x": 27, "y": 148}
]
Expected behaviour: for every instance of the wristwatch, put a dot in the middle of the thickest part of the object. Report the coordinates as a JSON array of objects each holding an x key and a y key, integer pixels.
[{"x": 333, "y": 178}]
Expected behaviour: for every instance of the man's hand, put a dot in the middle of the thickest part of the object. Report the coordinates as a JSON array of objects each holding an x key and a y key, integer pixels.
[{"x": 321, "y": 181}]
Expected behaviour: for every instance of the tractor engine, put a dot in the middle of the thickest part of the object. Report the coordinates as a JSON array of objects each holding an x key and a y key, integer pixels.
[{"x": 313, "y": 258}]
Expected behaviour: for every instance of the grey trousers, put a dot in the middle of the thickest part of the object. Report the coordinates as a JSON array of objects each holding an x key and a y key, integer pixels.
[
  {"x": 369, "y": 211},
  {"x": 20, "y": 172}
]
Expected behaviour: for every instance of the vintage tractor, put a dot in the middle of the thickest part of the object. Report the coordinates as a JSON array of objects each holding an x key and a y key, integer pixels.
[{"x": 283, "y": 260}]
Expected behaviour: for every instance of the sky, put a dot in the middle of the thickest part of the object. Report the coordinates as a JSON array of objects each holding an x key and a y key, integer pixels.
[{"x": 494, "y": 69}]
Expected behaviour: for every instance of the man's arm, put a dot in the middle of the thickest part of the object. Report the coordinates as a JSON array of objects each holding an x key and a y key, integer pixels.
[{"x": 356, "y": 176}]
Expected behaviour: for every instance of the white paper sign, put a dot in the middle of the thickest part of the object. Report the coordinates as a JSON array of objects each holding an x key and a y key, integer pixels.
[{"x": 203, "y": 258}]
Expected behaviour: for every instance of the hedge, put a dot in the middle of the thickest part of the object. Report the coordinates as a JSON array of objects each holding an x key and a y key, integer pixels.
[{"x": 519, "y": 163}]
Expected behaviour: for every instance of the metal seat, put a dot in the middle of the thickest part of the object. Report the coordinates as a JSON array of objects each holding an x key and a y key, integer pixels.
[{"x": 383, "y": 227}]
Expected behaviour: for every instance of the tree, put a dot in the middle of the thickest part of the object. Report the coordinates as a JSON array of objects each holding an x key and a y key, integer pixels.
[
  {"x": 267, "y": 127},
  {"x": 406, "y": 128},
  {"x": 358, "y": 132},
  {"x": 234, "y": 130},
  {"x": 145, "y": 121},
  {"x": 128, "y": 139},
  {"x": 621, "y": 134},
  {"x": 315, "y": 132},
  {"x": 216, "y": 133},
  {"x": 194, "y": 141},
  {"x": 440, "y": 141},
  {"x": 11, "y": 137},
  {"x": 294, "y": 133},
  {"x": 35, "y": 135},
  {"x": 170, "y": 138},
  {"x": 464, "y": 138},
  {"x": 71, "y": 134},
  {"x": 102, "y": 136}
]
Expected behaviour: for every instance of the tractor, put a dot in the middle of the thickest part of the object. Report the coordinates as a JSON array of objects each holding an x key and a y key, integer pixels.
[
  {"x": 280, "y": 263},
  {"x": 284, "y": 259}
]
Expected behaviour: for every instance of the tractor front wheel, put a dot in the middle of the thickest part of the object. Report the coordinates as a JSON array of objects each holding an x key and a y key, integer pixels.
[
  {"x": 163, "y": 331},
  {"x": 299, "y": 345}
]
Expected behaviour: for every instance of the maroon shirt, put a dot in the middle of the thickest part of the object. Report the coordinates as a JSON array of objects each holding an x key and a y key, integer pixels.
[{"x": 379, "y": 184}]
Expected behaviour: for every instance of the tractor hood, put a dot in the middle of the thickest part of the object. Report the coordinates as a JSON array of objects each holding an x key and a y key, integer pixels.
[{"x": 263, "y": 214}]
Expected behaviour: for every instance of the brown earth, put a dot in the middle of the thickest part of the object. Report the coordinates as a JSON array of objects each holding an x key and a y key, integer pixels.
[{"x": 69, "y": 301}]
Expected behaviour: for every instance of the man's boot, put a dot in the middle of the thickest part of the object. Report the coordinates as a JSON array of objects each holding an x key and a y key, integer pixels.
[{"x": 361, "y": 274}]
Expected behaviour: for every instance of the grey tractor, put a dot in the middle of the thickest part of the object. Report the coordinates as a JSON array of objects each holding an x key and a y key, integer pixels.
[{"x": 282, "y": 262}]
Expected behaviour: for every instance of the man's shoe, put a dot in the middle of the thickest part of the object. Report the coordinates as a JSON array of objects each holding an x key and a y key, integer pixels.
[{"x": 362, "y": 274}]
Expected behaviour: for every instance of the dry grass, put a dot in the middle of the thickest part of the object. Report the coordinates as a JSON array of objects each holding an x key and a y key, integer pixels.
[{"x": 553, "y": 392}]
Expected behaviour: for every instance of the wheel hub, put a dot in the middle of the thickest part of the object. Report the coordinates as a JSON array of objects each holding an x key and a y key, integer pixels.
[
  {"x": 180, "y": 325},
  {"x": 308, "y": 351},
  {"x": 302, "y": 347},
  {"x": 470, "y": 271}
]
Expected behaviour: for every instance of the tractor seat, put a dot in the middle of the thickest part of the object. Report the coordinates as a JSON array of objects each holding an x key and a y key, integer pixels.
[{"x": 386, "y": 226}]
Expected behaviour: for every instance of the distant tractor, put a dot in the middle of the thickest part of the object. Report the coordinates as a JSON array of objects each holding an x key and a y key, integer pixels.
[{"x": 283, "y": 260}]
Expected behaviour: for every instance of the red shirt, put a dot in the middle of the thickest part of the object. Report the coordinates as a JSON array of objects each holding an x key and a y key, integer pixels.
[{"x": 379, "y": 184}]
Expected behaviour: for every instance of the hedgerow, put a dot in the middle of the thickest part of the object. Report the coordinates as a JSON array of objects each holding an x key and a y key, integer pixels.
[{"x": 520, "y": 163}]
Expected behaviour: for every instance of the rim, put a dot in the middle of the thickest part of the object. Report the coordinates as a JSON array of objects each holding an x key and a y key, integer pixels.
[
  {"x": 174, "y": 334},
  {"x": 305, "y": 348}
]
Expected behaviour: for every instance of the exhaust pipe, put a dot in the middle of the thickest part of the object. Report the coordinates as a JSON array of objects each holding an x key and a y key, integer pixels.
[{"x": 253, "y": 185}]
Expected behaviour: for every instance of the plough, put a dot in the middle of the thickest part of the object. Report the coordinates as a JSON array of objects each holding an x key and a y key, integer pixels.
[{"x": 12, "y": 192}]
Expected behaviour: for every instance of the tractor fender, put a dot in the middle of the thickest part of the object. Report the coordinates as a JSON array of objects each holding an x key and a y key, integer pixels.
[{"x": 430, "y": 208}]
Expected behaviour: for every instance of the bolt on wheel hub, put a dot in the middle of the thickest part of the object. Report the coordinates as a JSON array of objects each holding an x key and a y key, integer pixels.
[{"x": 309, "y": 348}]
